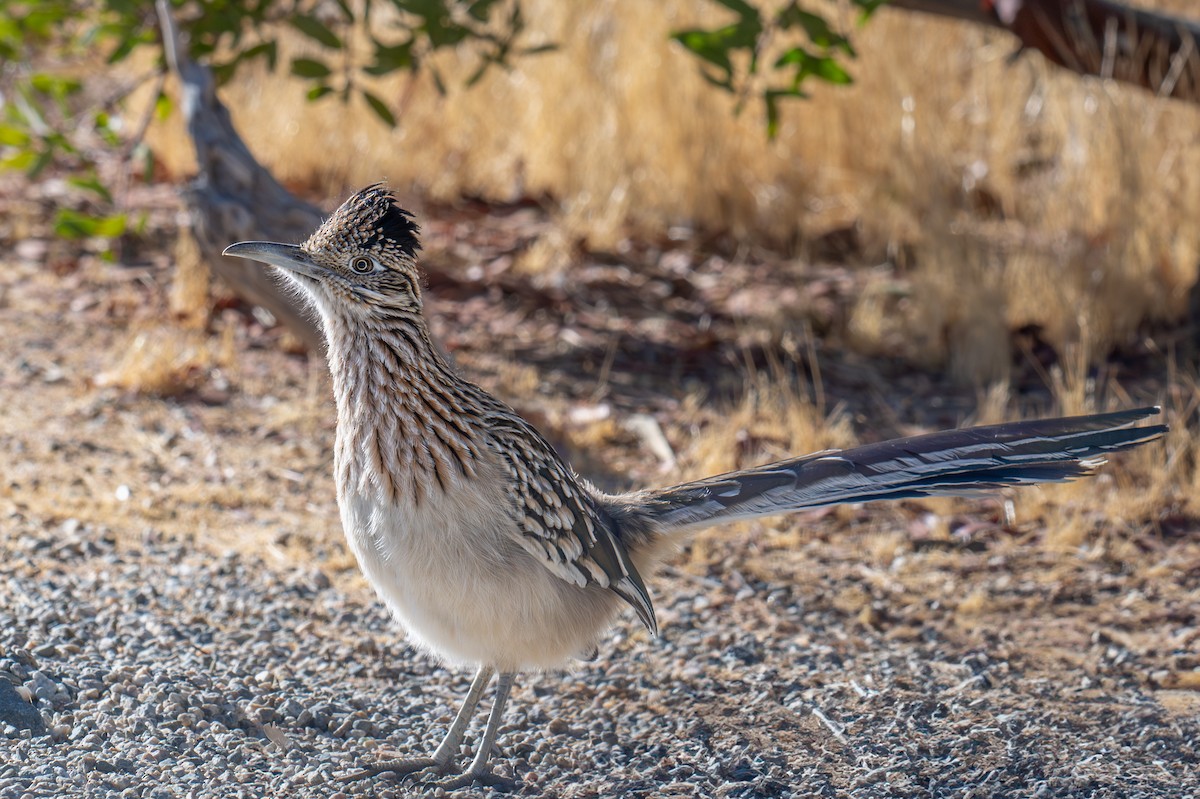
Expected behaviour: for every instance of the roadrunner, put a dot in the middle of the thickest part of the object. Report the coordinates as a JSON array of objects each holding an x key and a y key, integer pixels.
[{"x": 488, "y": 548}]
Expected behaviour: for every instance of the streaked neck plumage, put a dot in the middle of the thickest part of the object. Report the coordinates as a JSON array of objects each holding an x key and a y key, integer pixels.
[{"x": 403, "y": 432}]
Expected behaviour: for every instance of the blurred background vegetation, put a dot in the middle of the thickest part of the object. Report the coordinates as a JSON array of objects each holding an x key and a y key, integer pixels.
[
  {"x": 981, "y": 215},
  {"x": 1006, "y": 181}
]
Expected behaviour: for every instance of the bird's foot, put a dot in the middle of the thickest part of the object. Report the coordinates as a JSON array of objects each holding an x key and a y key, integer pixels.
[
  {"x": 484, "y": 776},
  {"x": 399, "y": 767}
]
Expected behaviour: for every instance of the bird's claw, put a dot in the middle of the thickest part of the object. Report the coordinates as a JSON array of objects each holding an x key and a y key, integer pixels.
[
  {"x": 486, "y": 778},
  {"x": 409, "y": 766},
  {"x": 399, "y": 767}
]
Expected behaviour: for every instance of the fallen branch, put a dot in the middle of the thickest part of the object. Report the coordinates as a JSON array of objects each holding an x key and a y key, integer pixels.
[
  {"x": 1103, "y": 38},
  {"x": 233, "y": 197}
]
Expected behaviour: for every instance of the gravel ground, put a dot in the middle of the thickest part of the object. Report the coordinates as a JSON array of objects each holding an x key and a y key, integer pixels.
[{"x": 160, "y": 672}]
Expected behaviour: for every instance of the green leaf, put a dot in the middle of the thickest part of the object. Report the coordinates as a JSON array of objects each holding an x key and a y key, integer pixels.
[
  {"x": 40, "y": 163},
  {"x": 437, "y": 23},
  {"x": 12, "y": 136},
  {"x": 23, "y": 159},
  {"x": 817, "y": 29},
  {"x": 316, "y": 30},
  {"x": 42, "y": 24},
  {"x": 54, "y": 85},
  {"x": 317, "y": 92},
  {"x": 830, "y": 70},
  {"x": 70, "y": 224},
  {"x": 771, "y": 98},
  {"x": 481, "y": 9},
  {"x": 381, "y": 110},
  {"x": 869, "y": 7},
  {"x": 742, "y": 8},
  {"x": 719, "y": 82},
  {"x": 389, "y": 58},
  {"x": 445, "y": 33},
  {"x": 55, "y": 140},
  {"x": 128, "y": 40},
  {"x": 708, "y": 45},
  {"x": 797, "y": 55},
  {"x": 111, "y": 226},
  {"x": 806, "y": 64},
  {"x": 107, "y": 128},
  {"x": 162, "y": 106},
  {"x": 309, "y": 68},
  {"x": 92, "y": 183},
  {"x": 479, "y": 72},
  {"x": 426, "y": 9},
  {"x": 268, "y": 50},
  {"x": 223, "y": 72}
]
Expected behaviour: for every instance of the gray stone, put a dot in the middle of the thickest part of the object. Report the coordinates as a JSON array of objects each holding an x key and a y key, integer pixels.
[{"x": 16, "y": 711}]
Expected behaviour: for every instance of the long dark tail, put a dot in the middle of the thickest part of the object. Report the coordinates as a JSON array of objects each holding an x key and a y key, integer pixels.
[{"x": 950, "y": 462}]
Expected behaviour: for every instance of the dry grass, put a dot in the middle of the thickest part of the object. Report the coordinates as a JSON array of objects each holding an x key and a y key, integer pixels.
[
  {"x": 773, "y": 421},
  {"x": 1005, "y": 184},
  {"x": 166, "y": 361},
  {"x": 189, "y": 302}
]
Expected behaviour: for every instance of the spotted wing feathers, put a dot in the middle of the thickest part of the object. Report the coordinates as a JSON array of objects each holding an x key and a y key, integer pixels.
[{"x": 559, "y": 522}]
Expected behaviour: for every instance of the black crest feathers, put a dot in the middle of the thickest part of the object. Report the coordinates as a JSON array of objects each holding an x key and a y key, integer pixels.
[{"x": 370, "y": 220}]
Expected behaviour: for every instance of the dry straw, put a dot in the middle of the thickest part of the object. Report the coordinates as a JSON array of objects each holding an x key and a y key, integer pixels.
[{"x": 1023, "y": 195}]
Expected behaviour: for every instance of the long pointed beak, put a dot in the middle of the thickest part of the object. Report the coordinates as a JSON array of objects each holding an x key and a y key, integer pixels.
[{"x": 285, "y": 256}]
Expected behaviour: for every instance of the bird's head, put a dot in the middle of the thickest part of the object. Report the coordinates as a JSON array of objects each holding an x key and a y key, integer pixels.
[{"x": 361, "y": 261}]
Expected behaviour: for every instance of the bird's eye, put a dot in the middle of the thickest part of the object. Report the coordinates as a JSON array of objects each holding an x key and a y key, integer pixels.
[{"x": 362, "y": 265}]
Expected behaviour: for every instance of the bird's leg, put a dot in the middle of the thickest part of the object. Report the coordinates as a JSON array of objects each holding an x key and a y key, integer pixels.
[
  {"x": 443, "y": 757},
  {"x": 479, "y": 770}
]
